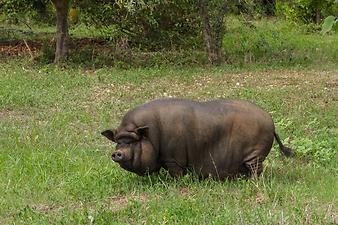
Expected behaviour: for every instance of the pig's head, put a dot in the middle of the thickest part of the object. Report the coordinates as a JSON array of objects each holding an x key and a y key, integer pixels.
[{"x": 134, "y": 151}]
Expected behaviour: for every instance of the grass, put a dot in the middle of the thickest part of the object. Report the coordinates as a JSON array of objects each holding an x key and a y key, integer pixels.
[
  {"x": 56, "y": 168},
  {"x": 277, "y": 42}
]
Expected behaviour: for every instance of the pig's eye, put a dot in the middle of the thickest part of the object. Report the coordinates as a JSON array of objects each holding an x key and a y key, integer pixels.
[
  {"x": 125, "y": 141},
  {"x": 122, "y": 145}
]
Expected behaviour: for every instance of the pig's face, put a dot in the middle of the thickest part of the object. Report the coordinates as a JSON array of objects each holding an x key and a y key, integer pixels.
[{"x": 134, "y": 152}]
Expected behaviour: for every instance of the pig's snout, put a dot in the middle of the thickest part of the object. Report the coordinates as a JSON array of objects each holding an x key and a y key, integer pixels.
[{"x": 117, "y": 156}]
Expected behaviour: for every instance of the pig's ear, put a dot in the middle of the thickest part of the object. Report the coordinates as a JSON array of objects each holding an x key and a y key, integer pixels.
[
  {"x": 110, "y": 134},
  {"x": 142, "y": 131}
]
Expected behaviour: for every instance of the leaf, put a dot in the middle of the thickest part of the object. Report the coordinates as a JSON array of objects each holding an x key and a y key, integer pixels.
[{"x": 328, "y": 24}]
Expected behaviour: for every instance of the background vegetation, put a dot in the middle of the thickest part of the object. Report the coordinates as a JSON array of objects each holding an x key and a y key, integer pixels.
[
  {"x": 129, "y": 27},
  {"x": 56, "y": 168}
]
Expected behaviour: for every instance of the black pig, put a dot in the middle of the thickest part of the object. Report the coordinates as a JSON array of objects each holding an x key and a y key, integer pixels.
[{"x": 221, "y": 138}]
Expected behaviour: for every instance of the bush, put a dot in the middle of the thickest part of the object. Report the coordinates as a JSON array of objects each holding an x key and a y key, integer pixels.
[
  {"x": 48, "y": 53},
  {"x": 152, "y": 26},
  {"x": 36, "y": 10},
  {"x": 305, "y": 11}
]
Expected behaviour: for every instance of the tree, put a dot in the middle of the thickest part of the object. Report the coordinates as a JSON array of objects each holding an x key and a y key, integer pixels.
[
  {"x": 148, "y": 24},
  {"x": 20, "y": 9},
  {"x": 62, "y": 35},
  {"x": 212, "y": 14}
]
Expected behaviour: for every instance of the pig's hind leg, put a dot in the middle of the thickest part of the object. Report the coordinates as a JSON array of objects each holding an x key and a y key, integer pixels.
[{"x": 255, "y": 167}]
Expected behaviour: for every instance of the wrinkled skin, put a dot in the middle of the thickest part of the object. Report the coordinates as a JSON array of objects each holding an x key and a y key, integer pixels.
[{"x": 222, "y": 138}]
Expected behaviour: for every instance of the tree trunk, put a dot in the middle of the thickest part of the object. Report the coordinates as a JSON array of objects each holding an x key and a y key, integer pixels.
[
  {"x": 213, "y": 36},
  {"x": 219, "y": 30},
  {"x": 318, "y": 16},
  {"x": 61, "y": 7},
  {"x": 207, "y": 35}
]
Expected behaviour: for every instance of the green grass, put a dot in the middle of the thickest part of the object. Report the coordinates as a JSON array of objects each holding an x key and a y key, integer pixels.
[
  {"x": 56, "y": 168},
  {"x": 277, "y": 42}
]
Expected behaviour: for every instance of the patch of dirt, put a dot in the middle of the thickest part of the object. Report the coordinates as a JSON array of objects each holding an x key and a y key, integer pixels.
[
  {"x": 8, "y": 114},
  {"x": 102, "y": 93},
  {"x": 260, "y": 198},
  {"x": 46, "y": 209},
  {"x": 331, "y": 213},
  {"x": 120, "y": 202},
  {"x": 19, "y": 47},
  {"x": 115, "y": 203},
  {"x": 204, "y": 87},
  {"x": 185, "y": 191}
]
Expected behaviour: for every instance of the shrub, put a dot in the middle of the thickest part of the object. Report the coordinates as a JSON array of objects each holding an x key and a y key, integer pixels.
[{"x": 305, "y": 11}]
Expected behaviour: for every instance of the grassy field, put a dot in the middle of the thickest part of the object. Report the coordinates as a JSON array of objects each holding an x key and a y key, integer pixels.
[{"x": 56, "y": 168}]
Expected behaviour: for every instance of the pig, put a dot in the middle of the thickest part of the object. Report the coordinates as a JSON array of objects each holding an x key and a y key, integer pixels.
[{"x": 219, "y": 138}]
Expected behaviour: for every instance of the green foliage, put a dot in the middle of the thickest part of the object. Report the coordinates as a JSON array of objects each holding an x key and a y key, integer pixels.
[
  {"x": 272, "y": 42},
  {"x": 320, "y": 149},
  {"x": 151, "y": 25},
  {"x": 47, "y": 54},
  {"x": 253, "y": 8},
  {"x": 20, "y": 10},
  {"x": 305, "y": 11}
]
